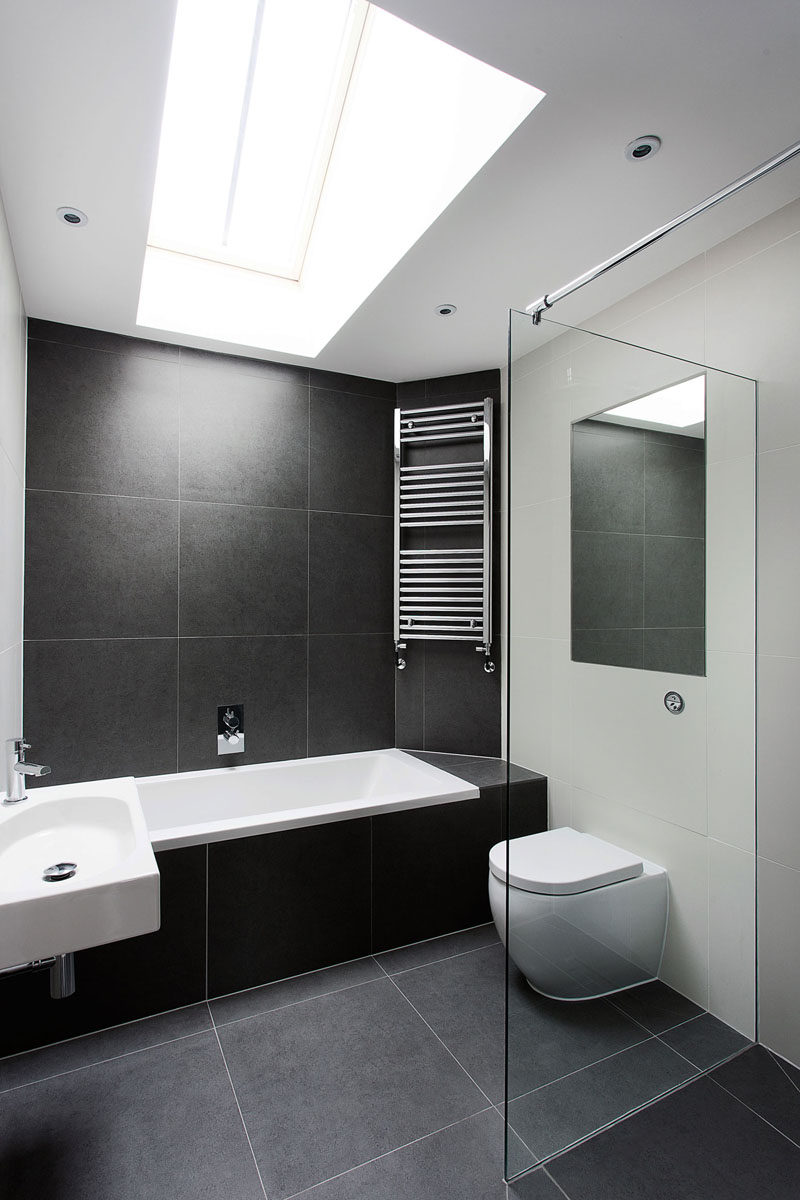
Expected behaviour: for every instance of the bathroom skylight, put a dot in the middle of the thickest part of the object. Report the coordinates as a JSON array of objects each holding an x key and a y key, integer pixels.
[
  {"x": 305, "y": 146},
  {"x": 677, "y": 407}
]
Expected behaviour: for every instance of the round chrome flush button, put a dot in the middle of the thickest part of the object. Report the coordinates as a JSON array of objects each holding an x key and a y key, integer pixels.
[
  {"x": 59, "y": 871},
  {"x": 674, "y": 702}
]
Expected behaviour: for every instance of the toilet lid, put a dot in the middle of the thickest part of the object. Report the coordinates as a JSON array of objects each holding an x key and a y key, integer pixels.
[{"x": 562, "y": 862}]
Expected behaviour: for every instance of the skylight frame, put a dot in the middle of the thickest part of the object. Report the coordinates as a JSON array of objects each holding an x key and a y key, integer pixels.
[{"x": 420, "y": 119}]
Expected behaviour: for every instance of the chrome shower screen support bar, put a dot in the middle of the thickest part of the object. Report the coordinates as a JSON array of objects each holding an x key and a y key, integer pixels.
[{"x": 547, "y": 301}]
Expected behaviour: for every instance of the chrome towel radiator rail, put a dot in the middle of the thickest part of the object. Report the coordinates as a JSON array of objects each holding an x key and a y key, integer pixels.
[{"x": 443, "y": 592}]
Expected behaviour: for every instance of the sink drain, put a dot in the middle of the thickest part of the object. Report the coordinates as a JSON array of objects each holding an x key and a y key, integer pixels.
[{"x": 60, "y": 871}]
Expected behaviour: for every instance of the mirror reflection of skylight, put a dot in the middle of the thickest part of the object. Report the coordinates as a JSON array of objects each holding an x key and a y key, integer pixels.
[
  {"x": 305, "y": 146},
  {"x": 674, "y": 407}
]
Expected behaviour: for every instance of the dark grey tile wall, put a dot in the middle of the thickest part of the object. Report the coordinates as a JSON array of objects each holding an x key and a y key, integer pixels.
[
  {"x": 202, "y": 529},
  {"x": 444, "y": 699},
  {"x": 638, "y": 548},
  {"x": 205, "y": 529}
]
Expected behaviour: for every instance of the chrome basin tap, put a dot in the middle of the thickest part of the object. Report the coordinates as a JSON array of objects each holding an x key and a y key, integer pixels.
[{"x": 17, "y": 768}]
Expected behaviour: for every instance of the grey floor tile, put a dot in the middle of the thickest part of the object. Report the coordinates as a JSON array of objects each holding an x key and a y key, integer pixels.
[
  {"x": 463, "y": 1000},
  {"x": 419, "y": 954},
  {"x": 536, "y": 1185},
  {"x": 465, "y": 1160},
  {"x": 788, "y": 1069},
  {"x": 656, "y": 1006},
  {"x": 553, "y": 1117},
  {"x": 758, "y": 1081},
  {"x": 698, "y": 1144},
  {"x": 292, "y": 991},
  {"x": 159, "y": 1123},
  {"x": 97, "y": 1047},
  {"x": 705, "y": 1041},
  {"x": 329, "y": 1085}
]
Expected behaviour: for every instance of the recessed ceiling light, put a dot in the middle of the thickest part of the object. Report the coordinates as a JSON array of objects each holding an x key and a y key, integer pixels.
[
  {"x": 676, "y": 407},
  {"x": 643, "y": 147},
  {"x": 446, "y": 310},
  {"x": 306, "y": 145},
  {"x": 71, "y": 216}
]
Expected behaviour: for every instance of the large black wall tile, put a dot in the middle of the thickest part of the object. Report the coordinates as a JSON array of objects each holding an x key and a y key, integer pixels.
[
  {"x": 456, "y": 385},
  {"x": 352, "y": 456},
  {"x": 430, "y": 867},
  {"x": 462, "y": 701},
  {"x": 102, "y": 709},
  {"x": 357, "y": 385},
  {"x": 409, "y": 698},
  {"x": 122, "y": 980},
  {"x": 226, "y": 365},
  {"x": 266, "y": 674},
  {"x": 286, "y": 903},
  {"x": 608, "y": 479},
  {"x": 350, "y": 693},
  {"x": 244, "y": 439},
  {"x": 101, "y": 422},
  {"x": 100, "y": 339},
  {"x": 100, "y": 566},
  {"x": 350, "y": 573},
  {"x": 674, "y": 582},
  {"x": 244, "y": 570}
]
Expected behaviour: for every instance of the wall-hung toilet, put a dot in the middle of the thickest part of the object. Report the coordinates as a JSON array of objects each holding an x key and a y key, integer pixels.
[{"x": 587, "y": 918}]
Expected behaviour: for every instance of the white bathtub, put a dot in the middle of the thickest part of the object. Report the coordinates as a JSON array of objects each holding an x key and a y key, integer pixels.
[{"x": 209, "y": 806}]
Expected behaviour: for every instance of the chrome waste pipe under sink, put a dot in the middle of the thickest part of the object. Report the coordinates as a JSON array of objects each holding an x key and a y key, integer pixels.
[{"x": 62, "y": 973}]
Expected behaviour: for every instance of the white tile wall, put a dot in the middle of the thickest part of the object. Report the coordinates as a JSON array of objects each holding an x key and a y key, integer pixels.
[
  {"x": 12, "y": 474},
  {"x": 736, "y": 308},
  {"x": 779, "y": 957},
  {"x": 731, "y": 935}
]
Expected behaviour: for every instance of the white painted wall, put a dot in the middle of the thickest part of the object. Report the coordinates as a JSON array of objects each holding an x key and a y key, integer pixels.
[{"x": 13, "y": 326}]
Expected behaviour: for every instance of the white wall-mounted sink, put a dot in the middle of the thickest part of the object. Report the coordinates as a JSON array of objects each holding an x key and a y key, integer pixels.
[{"x": 114, "y": 890}]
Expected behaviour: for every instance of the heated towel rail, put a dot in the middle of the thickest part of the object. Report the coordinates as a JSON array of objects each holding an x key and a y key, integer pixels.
[{"x": 443, "y": 527}]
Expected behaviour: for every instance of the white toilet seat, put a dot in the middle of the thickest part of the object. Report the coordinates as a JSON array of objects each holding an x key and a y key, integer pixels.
[{"x": 562, "y": 862}]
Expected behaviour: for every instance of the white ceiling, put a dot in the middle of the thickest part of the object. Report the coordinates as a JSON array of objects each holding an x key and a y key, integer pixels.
[{"x": 81, "y": 89}]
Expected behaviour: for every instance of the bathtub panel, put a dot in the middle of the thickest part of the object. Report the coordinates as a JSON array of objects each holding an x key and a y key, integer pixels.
[
  {"x": 288, "y": 902},
  {"x": 429, "y": 869}
]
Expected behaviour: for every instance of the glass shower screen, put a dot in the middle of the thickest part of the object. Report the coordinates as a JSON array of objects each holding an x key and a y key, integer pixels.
[{"x": 630, "y": 686}]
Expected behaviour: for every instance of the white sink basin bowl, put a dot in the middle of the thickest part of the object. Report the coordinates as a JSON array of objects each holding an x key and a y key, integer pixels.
[{"x": 114, "y": 891}]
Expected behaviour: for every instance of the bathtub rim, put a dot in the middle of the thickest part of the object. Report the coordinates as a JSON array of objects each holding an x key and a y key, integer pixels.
[{"x": 451, "y": 789}]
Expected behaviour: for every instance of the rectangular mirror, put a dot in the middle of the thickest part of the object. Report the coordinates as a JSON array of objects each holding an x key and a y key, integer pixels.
[{"x": 638, "y": 525}]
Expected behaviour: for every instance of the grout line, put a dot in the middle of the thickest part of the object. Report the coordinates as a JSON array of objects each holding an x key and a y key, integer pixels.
[
  {"x": 183, "y": 1037},
  {"x": 755, "y": 1113},
  {"x": 239, "y": 1109},
  {"x": 219, "y": 1024},
  {"x": 333, "y": 512},
  {"x": 555, "y": 1182},
  {"x": 435, "y": 961},
  {"x": 205, "y": 956},
  {"x": 94, "y": 1032},
  {"x": 178, "y": 612},
  {"x": 436, "y": 1035},
  {"x": 388, "y": 1153},
  {"x": 308, "y": 573},
  {"x": 779, "y": 1063}
]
